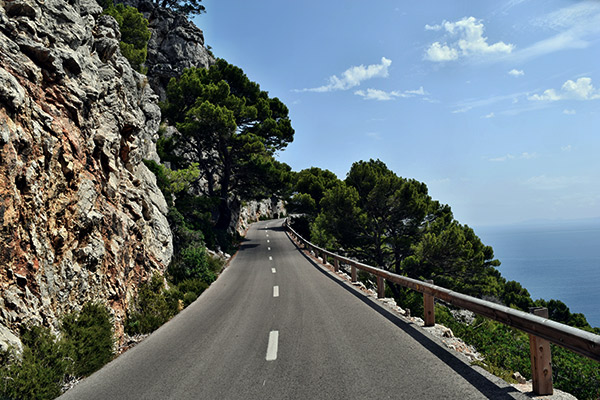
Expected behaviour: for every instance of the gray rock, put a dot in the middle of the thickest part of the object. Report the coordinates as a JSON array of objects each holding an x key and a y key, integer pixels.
[
  {"x": 9, "y": 340},
  {"x": 82, "y": 217},
  {"x": 12, "y": 93},
  {"x": 519, "y": 378},
  {"x": 176, "y": 43}
]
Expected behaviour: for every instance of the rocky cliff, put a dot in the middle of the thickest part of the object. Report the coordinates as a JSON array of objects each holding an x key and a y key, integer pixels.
[
  {"x": 81, "y": 217},
  {"x": 176, "y": 43}
]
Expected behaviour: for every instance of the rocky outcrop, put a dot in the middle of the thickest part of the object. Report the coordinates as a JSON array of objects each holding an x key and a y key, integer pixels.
[
  {"x": 255, "y": 210},
  {"x": 176, "y": 43},
  {"x": 81, "y": 217}
]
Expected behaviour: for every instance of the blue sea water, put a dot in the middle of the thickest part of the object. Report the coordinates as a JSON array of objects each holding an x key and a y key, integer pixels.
[{"x": 553, "y": 261}]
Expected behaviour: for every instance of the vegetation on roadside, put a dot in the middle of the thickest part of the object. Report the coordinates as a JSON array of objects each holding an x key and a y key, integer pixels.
[
  {"x": 158, "y": 302},
  {"x": 86, "y": 343},
  {"x": 506, "y": 350}
]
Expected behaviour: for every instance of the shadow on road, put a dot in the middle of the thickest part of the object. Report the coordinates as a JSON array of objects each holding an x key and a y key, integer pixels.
[
  {"x": 274, "y": 228},
  {"x": 482, "y": 383}
]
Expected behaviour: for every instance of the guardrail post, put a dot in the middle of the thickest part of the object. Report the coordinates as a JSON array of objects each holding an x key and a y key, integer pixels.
[
  {"x": 380, "y": 287},
  {"x": 324, "y": 257},
  {"x": 429, "y": 308},
  {"x": 541, "y": 359},
  {"x": 353, "y": 273},
  {"x": 336, "y": 265}
]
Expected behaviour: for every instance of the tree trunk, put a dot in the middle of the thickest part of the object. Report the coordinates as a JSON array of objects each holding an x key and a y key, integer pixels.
[
  {"x": 224, "y": 215},
  {"x": 224, "y": 211}
]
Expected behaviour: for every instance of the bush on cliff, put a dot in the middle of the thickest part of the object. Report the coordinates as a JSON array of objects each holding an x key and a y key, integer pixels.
[
  {"x": 89, "y": 338},
  {"x": 134, "y": 33},
  {"x": 152, "y": 308},
  {"x": 85, "y": 346},
  {"x": 40, "y": 372}
]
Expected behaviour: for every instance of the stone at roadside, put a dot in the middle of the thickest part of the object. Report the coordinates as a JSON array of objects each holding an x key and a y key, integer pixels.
[{"x": 519, "y": 378}]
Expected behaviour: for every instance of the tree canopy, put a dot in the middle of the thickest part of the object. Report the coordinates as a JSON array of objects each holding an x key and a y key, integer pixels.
[
  {"x": 392, "y": 222},
  {"x": 231, "y": 129},
  {"x": 189, "y": 7}
]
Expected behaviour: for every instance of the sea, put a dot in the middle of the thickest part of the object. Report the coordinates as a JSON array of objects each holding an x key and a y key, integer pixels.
[{"x": 552, "y": 260}]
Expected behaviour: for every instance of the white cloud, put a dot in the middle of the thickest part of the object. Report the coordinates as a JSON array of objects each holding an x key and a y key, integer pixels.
[
  {"x": 502, "y": 158},
  {"x": 582, "y": 89},
  {"x": 468, "y": 41},
  {"x": 528, "y": 156},
  {"x": 462, "y": 110},
  {"x": 522, "y": 156},
  {"x": 470, "y": 104},
  {"x": 438, "y": 53},
  {"x": 420, "y": 91},
  {"x": 374, "y": 135},
  {"x": 490, "y": 115},
  {"x": 504, "y": 8},
  {"x": 382, "y": 95},
  {"x": 543, "y": 182},
  {"x": 433, "y": 27},
  {"x": 353, "y": 77},
  {"x": 516, "y": 72},
  {"x": 376, "y": 94},
  {"x": 569, "y": 112},
  {"x": 567, "y": 148},
  {"x": 576, "y": 25}
]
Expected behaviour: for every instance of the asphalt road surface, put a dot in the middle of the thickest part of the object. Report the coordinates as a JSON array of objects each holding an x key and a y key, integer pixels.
[{"x": 276, "y": 326}]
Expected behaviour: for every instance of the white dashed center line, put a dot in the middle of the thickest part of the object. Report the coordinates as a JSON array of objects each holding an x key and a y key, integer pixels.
[
  {"x": 275, "y": 291},
  {"x": 270, "y": 258},
  {"x": 268, "y": 241},
  {"x": 272, "y": 346},
  {"x": 273, "y": 270},
  {"x": 268, "y": 248}
]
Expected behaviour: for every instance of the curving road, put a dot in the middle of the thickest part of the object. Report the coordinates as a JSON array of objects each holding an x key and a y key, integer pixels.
[{"x": 276, "y": 326}]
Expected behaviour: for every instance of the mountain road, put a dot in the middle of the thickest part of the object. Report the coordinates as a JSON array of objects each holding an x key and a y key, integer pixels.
[{"x": 276, "y": 325}]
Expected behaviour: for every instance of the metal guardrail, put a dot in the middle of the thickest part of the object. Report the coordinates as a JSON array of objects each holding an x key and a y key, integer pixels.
[{"x": 538, "y": 327}]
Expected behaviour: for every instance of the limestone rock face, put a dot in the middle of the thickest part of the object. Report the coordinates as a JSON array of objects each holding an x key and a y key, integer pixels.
[
  {"x": 81, "y": 217},
  {"x": 253, "y": 211},
  {"x": 176, "y": 43}
]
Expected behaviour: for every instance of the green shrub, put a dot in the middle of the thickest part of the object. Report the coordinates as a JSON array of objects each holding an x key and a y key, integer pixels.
[
  {"x": 191, "y": 263},
  {"x": 152, "y": 307},
  {"x": 409, "y": 299},
  {"x": 215, "y": 264},
  {"x": 195, "y": 286},
  {"x": 189, "y": 298},
  {"x": 89, "y": 337},
  {"x": 40, "y": 372},
  {"x": 134, "y": 32}
]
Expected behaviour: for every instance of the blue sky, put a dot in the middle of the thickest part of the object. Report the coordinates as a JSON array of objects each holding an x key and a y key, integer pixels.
[{"x": 494, "y": 105}]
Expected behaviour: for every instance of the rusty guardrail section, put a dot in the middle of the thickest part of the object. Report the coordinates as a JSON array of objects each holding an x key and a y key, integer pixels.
[{"x": 541, "y": 330}]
